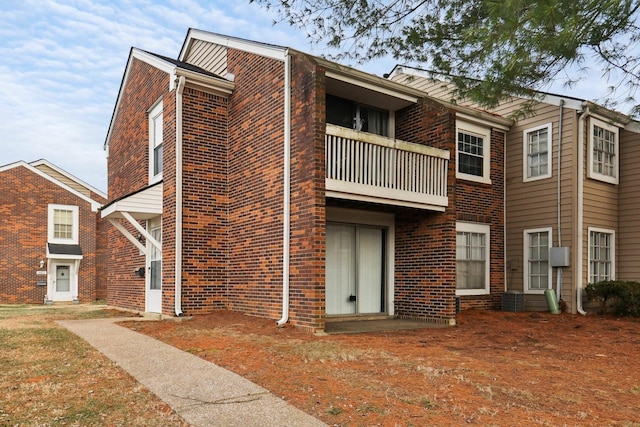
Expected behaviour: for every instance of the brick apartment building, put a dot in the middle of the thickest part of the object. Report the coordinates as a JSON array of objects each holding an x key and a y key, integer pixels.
[
  {"x": 261, "y": 179},
  {"x": 48, "y": 235}
]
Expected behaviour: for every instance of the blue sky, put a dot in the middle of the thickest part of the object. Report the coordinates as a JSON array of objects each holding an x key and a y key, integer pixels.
[{"x": 61, "y": 64}]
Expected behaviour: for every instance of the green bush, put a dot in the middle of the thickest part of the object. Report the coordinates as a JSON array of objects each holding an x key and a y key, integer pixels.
[{"x": 619, "y": 297}]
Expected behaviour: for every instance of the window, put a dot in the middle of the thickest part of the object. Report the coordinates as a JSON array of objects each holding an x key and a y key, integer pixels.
[
  {"x": 63, "y": 224},
  {"x": 472, "y": 259},
  {"x": 537, "y": 152},
  {"x": 603, "y": 151},
  {"x": 155, "y": 143},
  {"x": 601, "y": 255},
  {"x": 349, "y": 114},
  {"x": 537, "y": 269},
  {"x": 473, "y": 153}
]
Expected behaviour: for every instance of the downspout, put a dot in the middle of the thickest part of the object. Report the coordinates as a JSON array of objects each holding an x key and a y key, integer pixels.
[
  {"x": 581, "y": 121},
  {"x": 559, "y": 271},
  {"x": 286, "y": 238},
  {"x": 178, "y": 256}
]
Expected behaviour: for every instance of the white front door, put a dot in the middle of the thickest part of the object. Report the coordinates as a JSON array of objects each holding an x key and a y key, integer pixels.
[
  {"x": 62, "y": 282},
  {"x": 354, "y": 282},
  {"x": 154, "y": 272}
]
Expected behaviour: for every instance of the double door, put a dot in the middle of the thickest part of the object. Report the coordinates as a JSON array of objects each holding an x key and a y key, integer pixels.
[{"x": 355, "y": 270}]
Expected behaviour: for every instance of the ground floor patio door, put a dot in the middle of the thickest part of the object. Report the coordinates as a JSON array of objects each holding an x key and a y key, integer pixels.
[
  {"x": 62, "y": 282},
  {"x": 355, "y": 270},
  {"x": 153, "y": 294}
]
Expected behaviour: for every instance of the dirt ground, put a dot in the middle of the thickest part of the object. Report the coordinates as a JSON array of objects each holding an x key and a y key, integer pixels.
[{"x": 493, "y": 368}]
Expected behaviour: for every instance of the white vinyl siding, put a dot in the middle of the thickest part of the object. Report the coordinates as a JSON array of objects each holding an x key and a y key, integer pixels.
[
  {"x": 603, "y": 151},
  {"x": 537, "y": 152},
  {"x": 472, "y": 259},
  {"x": 63, "y": 224},
  {"x": 601, "y": 255},
  {"x": 473, "y": 154},
  {"x": 537, "y": 269}
]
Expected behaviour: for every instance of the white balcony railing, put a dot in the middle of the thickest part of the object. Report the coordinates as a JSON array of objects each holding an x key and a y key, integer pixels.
[{"x": 367, "y": 167}]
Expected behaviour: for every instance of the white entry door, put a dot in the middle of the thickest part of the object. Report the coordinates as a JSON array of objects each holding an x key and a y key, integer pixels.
[
  {"x": 354, "y": 282},
  {"x": 154, "y": 272},
  {"x": 62, "y": 283}
]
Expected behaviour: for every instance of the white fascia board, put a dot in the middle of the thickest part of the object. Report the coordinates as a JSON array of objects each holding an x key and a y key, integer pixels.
[
  {"x": 262, "y": 49},
  {"x": 68, "y": 175},
  {"x": 207, "y": 83},
  {"x": 94, "y": 204},
  {"x": 633, "y": 126},
  {"x": 483, "y": 120},
  {"x": 368, "y": 85}
]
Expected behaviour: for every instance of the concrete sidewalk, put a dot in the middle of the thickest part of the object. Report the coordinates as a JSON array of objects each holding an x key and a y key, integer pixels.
[{"x": 202, "y": 393}]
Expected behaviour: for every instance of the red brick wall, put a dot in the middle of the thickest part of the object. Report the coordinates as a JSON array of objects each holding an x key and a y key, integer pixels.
[
  {"x": 205, "y": 202},
  {"x": 484, "y": 203},
  {"x": 425, "y": 241},
  {"x": 256, "y": 138},
  {"x": 128, "y": 172},
  {"x": 24, "y": 204}
]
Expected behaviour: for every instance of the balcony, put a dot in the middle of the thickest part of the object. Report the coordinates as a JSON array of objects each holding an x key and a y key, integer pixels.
[{"x": 366, "y": 167}]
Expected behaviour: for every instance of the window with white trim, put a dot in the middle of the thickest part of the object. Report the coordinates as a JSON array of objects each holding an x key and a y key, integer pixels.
[
  {"x": 63, "y": 224},
  {"x": 601, "y": 254},
  {"x": 473, "y": 153},
  {"x": 537, "y": 152},
  {"x": 472, "y": 258},
  {"x": 603, "y": 151},
  {"x": 537, "y": 269},
  {"x": 155, "y": 143}
]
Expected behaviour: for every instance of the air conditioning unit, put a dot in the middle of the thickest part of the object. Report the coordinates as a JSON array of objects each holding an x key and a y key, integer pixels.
[{"x": 513, "y": 301}]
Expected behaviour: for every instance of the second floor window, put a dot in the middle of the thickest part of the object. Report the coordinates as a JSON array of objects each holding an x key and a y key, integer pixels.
[
  {"x": 63, "y": 224},
  {"x": 155, "y": 143},
  {"x": 349, "y": 114},
  {"x": 603, "y": 152},
  {"x": 537, "y": 146},
  {"x": 473, "y": 152}
]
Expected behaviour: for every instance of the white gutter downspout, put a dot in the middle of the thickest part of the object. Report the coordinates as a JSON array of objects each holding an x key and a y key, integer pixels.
[
  {"x": 581, "y": 121},
  {"x": 559, "y": 271},
  {"x": 286, "y": 238},
  {"x": 178, "y": 256}
]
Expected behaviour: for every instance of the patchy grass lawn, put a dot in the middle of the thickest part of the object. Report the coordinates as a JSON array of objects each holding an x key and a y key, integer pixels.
[
  {"x": 51, "y": 377},
  {"x": 492, "y": 369}
]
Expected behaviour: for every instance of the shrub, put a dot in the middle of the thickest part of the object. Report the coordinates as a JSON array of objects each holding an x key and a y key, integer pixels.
[{"x": 619, "y": 297}]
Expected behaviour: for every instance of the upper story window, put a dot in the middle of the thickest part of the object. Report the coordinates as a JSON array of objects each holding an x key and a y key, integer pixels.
[
  {"x": 601, "y": 255},
  {"x": 349, "y": 114},
  {"x": 63, "y": 224},
  {"x": 537, "y": 152},
  {"x": 473, "y": 152},
  {"x": 155, "y": 143},
  {"x": 603, "y": 151},
  {"x": 472, "y": 259}
]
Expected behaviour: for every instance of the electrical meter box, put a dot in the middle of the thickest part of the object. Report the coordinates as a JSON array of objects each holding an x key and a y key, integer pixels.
[{"x": 560, "y": 256}]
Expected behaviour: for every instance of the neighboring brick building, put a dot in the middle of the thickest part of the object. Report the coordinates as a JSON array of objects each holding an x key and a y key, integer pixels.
[
  {"x": 48, "y": 232},
  {"x": 261, "y": 179}
]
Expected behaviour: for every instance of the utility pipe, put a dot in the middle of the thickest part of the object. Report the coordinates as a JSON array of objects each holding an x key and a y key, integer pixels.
[
  {"x": 178, "y": 255},
  {"x": 559, "y": 271},
  {"x": 580, "y": 219},
  {"x": 286, "y": 238}
]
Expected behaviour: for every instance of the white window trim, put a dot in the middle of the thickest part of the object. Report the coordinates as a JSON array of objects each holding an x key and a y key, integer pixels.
[
  {"x": 525, "y": 153},
  {"x": 155, "y": 111},
  {"x": 76, "y": 226},
  {"x": 616, "y": 160},
  {"x": 471, "y": 227},
  {"x": 485, "y": 134},
  {"x": 613, "y": 250},
  {"x": 525, "y": 258}
]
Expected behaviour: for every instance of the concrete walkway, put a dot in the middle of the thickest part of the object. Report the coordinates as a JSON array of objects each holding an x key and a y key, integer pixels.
[{"x": 202, "y": 393}]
